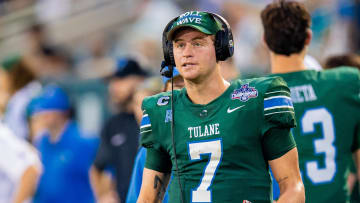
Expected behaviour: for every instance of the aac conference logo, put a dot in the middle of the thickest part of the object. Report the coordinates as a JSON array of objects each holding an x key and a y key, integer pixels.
[{"x": 244, "y": 93}]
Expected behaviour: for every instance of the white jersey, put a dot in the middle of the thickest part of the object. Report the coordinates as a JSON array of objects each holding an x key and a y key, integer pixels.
[
  {"x": 16, "y": 156},
  {"x": 15, "y": 113}
]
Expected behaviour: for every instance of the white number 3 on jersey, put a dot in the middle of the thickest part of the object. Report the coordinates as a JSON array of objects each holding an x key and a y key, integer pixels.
[{"x": 324, "y": 145}]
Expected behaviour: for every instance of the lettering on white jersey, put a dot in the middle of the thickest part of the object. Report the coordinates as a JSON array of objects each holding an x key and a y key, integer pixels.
[
  {"x": 203, "y": 131},
  {"x": 302, "y": 93}
]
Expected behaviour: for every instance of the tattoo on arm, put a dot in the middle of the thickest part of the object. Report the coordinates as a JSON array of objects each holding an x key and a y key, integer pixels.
[
  {"x": 161, "y": 189},
  {"x": 282, "y": 179}
]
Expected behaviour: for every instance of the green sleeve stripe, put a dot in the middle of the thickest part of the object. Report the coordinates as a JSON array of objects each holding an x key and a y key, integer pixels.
[
  {"x": 282, "y": 108},
  {"x": 145, "y": 126},
  {"x": 145, "y": 129},
  {"x": 277, "y": 96},
  {"x": 142, "y": 132},
  {"x": 277, "y": 93},
  {"x": 278, "y": 107},
  {"x": 267, "y": 114}
]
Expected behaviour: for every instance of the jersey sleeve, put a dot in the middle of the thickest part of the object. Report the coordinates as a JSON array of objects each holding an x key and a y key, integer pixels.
[
  {"x": 279, "y": 118},
  {"x": 156, "y": 157}
]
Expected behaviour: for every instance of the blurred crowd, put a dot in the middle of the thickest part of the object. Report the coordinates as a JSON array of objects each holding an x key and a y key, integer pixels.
[{"x": 73, "y": 74}]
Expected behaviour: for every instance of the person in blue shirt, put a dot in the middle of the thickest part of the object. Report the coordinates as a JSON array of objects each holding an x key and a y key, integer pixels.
[
  {"x": 137, "y": 173},
  {"x": 136, "y": 177},
  {"x": 65, "y": 153}
]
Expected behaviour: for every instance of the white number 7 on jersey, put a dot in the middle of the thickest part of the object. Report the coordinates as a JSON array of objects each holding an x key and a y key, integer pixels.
[{"x": 214, "y": 150}]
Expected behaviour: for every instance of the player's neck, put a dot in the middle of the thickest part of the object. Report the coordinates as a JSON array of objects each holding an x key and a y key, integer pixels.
[
  {"x": 207, "y": 90},
  {"x": 286, "y": 64}
]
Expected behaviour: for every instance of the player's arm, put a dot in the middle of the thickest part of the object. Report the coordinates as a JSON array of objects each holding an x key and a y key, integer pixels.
[
  {"x": 158, "y": 164},
  {"x": 287, "y": 174},
  {"x": 28, "y": 184},
  {"x": 353, "y": 175},
  {"x": 279, "y": 144},
  {"x": 153, "y": 186},
  {"x": 30, "y": 168},
  {"x": 103, "y": 186},
  {"x": 102, "y": 183},
  {"x": 356, "y": 155},
  {"x": 356, "y": 150}
]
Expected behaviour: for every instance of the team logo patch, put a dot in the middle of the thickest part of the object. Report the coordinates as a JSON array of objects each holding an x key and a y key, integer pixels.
[{"x": 244, "y": 93}]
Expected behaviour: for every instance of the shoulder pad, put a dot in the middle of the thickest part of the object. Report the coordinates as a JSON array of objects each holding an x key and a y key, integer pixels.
[{"x": 158, "y": 100}]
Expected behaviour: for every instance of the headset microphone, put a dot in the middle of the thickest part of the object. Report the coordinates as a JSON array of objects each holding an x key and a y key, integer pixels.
[{"x": 166, "y": 70}]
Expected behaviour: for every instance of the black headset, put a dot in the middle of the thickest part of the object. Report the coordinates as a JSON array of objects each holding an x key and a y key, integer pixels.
[{"x": 224, "y": 44}]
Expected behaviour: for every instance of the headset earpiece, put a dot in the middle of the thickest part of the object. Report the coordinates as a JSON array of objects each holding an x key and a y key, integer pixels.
[
  {"x": 221, "y": 53},
  {"x": 224, "y": 44},
  {"x": 171, "y": 54},
  {"x": 168, "y": 52},
  {"x": 167, "y": 45}
]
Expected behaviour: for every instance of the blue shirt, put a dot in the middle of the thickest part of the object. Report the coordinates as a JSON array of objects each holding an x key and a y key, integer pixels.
[
  {"x": 66, "y": 165},
  {"x": 136, "y": 178}
]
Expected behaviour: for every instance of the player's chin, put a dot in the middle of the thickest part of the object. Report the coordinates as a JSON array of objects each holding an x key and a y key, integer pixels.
[
  {"x": 190, "y": 76},
  {"x": 189, "y": 73}
]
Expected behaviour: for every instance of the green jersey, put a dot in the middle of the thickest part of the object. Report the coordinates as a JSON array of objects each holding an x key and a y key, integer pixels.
[
  {"x": 327, "y": 107},
  {"x": 222, "y": 148}
]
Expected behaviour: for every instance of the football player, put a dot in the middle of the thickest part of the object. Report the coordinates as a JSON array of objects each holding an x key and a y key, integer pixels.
[
  {"x": 326, "y": 103},
  {"x": 218, "y": 139}
]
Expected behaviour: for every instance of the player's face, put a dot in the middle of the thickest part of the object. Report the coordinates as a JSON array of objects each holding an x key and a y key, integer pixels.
[
  {"x": 194, "y": 54},
  {"x": 45, "y": 120},
  {"x": 121, "y": 89}
]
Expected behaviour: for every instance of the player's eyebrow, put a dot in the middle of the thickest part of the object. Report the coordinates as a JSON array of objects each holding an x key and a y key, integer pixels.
[
  {"x": 199, "y": 37},
  {"x": 193, "y": 39},
  {"x": 178, "y": 40}
]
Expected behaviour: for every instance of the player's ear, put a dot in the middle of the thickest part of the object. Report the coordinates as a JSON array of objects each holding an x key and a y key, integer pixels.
[{"x": 308, "y": 36}]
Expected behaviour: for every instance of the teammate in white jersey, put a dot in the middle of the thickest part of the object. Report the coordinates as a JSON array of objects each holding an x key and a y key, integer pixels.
[{"x": 20, "y": 168}]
